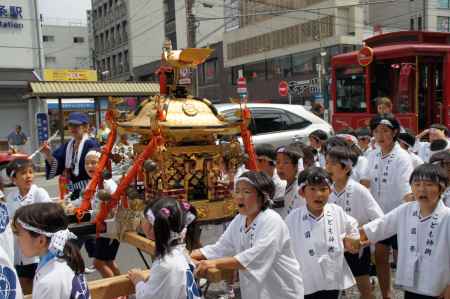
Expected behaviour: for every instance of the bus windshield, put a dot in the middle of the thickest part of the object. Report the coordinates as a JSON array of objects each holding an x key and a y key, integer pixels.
[{"x": 350, "y": 90}]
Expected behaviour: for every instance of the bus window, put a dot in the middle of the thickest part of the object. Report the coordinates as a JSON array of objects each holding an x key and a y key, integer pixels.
[{"x": 350, "y": 90}]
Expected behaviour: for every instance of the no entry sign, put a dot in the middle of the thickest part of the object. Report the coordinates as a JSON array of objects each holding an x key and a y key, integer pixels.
[
  {"x": 242, "y": 85},
  {"x": 283, "y": 89}
]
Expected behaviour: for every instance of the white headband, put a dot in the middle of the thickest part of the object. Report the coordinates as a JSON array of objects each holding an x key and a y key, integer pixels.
[
  {"x": 386, "y": 122},
  {"x": 246, "y": 179},
  {"x": 93, "y": 153},
  {"x": 57, "y": 239}
]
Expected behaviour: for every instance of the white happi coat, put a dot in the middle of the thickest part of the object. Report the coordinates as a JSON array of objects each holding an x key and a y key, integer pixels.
[
  {"x": 423, "y": 264},
  {"x": 356, "y": 201},
  {"x": 14, "y": 201},
  {"x": 292, "y": 200},
  {"x": 326, "y": 268},
  {"x": 361, "y": 169},
  {"x": 10, "y": 285},
  {"x": 446, "y": 197},
  {"x": 389, "y": 177},
  {"x": 6, "y": 234},
  {"x": 265, "y": 251},
  {"x": 170, "y": 277},
  {"x": 55, "y": 279}
]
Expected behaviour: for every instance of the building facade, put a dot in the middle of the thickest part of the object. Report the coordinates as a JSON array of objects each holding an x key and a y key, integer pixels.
[
  {"x": 22, "y": 61},
  {"x": 66, "y": 47},
  {"x": 411, "y": 15},
  {"x": 110, "y": 39},
  {"x": 275, "y": 46}
]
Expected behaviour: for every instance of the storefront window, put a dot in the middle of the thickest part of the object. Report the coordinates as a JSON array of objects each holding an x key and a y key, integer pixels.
[
  {"x": 304, "y": 63},
  {"x": 255, "y": 71},
  {"x": 280, "y": 67},
  {"x": 210, "y": 70},
  {"x": 350, "y": 90}
]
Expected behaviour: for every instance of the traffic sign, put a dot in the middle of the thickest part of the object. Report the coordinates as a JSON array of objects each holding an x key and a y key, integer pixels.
[
  {"x": 283, "y": 89},
  {"x": 241, "y": 86},
  {"x": 365, "y": 56},
  {"x": 42, "y": 126}
]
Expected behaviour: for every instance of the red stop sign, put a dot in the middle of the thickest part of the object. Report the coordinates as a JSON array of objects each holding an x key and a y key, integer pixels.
[{"x": 283, "y": 89}]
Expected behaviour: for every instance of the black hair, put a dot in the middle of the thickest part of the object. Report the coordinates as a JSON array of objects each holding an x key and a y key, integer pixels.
[
  {"x": 308, "y": 156},
  {"x": 379, "y": 118},
  {"x": 50, "y": 217},
  {"x": 348, "y": 131},
  {"x": 173, "y": 221},
  {"x": 438, "y": 145},
  {"x": 193, "y": 229},
  {"x": 268, "y": 150},
  {"x": 17, "y": 165},
  {"x": 362, "y": 132},
  {"x": 440, "y": 157},
  {"x": 407, "y": 138},
  {"x": 440, "y": 127},
  {"x": 430, "y": 172},
  {"x": 314, "y": 176},
  {"x": 339, "y": 141},
  {"x": 340, "y": 154},
  {"x": 319, "y": 134},
  {"x": 294, "y": 151},
  {"x": 263, "y": 184}
]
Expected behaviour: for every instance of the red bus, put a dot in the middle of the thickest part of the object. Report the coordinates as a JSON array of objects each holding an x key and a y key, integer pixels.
[{"x": 412, "y": 68}]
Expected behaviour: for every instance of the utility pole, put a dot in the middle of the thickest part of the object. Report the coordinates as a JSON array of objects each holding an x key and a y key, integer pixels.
[{"x": 191, "y": 40}]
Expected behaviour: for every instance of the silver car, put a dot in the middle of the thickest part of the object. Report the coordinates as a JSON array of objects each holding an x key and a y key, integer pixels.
[{"x": 278, "y": 124}]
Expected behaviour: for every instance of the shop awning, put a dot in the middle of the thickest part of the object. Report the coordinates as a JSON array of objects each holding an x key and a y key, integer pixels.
[{"x": 74, "y": 89}]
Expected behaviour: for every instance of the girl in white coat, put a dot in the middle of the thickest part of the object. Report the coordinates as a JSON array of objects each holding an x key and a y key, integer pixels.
[
  {"x": 41, "y": 230},
  {"x": 320, "y": 234},
  {"x": 423, "y": 232},
  {"x": 257, "y": 243},
  {"x": 171, "y": 276}
]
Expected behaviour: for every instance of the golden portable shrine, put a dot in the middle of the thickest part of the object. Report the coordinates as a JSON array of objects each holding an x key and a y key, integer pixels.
[{"x": 178, "y": 155}]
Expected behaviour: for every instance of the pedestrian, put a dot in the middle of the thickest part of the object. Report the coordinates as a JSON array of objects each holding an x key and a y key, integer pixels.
[
  {"x": 384, "y": 105},
  {"x": 363, "y": 136},
  {"x": 407, "y": 141},
  {"x": 68, "y": 159},
  {"x": 320, "y": 233},
  {"x": 318, "y": 109},
  {"x": 24, "y": 193},
  {"x": 257, "y": 243},
  {"x": 356, "y": 201},
  {"x": 317, "y": 140},
  {"x": 423, "y": 232},
  {"x": 122, "y": 155},
  {"x": 41, "y": 231},
  {"x": 443, "y": 159},
  {"x": 389, "y": 170},
  {"x": 288, "y": 158},
  {"x": 17, "y": 139},
  {"x": 434, "y": 133},
  {"x": 166, "y": 221},
  {"x": 266, "y": 157}
]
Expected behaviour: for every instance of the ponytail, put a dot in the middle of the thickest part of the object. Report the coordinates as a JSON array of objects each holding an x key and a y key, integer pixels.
[{"x": 73, "y": 257}]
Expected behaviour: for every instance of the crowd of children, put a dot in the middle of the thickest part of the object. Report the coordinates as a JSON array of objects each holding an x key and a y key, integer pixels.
[{"x": 309, "y": 222}]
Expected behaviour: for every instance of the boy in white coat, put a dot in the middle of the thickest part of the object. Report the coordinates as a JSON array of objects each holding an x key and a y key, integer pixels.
[
  {"x": 356, "y": 201},
  {"x": 257, "y": 243},
  {"x": 320, "y": 233},
  {"x": 423, "y": 231}
]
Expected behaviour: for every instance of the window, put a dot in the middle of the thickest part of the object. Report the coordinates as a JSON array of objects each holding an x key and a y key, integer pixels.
[
  {"x": 48, "y": 38},
  {"x": 255, "y": 71},
  {"x": 296, "y": 122},
  {"x": 50, "y": 59},
  {"x": 419, "y": 23},
  {"x": 210, "y": 70},
  {"x": 78, "y": 39},
  {"x": 350, "y": 90},
  {"x": 443, "y": 3},
  {"x": 443, "y": 24},
  {"x": 267, "y": 121},
  {"x": 304, "y": 63},
  {"x": 411, "y": 24},
  {"x": 280, "y": 67}
]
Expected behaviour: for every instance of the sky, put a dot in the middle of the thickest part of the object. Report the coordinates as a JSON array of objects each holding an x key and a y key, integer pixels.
[{"x": 63, "y": 12}]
